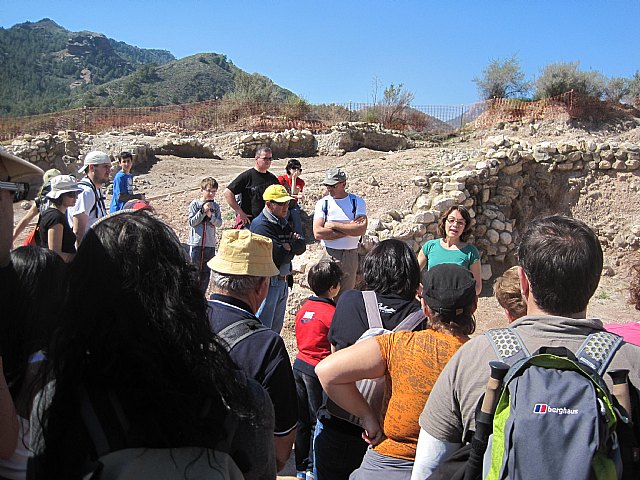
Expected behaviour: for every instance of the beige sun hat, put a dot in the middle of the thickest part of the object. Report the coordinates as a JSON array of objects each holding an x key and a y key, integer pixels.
[
  {"x": 18, "y": 167},
  {"x": 63, "y": 184},
  {"x": 242, "y": 252}
]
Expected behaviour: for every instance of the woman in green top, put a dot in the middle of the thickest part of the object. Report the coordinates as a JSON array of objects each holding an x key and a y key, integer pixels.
[{"x": 455, "y": 228}]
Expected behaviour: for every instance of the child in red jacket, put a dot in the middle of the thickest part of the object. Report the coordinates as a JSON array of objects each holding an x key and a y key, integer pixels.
[{"x": 312, "y": 327}]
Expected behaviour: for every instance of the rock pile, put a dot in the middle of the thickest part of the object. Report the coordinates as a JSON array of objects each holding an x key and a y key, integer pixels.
[{"x": 511, "y": 182}]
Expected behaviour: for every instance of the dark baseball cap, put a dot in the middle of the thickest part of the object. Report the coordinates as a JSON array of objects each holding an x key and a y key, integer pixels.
[{"x": 448, "y": 288}]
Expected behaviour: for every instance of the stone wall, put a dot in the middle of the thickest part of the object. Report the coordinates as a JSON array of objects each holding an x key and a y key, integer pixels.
[{"x": 509, "y": 183}]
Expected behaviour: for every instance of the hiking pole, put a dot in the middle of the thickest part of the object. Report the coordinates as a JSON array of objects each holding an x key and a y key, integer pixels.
[
  {"x": 484, "y": 420},
  {"x": 620, "y": 390},
  {"x": 494, "y": 384}
]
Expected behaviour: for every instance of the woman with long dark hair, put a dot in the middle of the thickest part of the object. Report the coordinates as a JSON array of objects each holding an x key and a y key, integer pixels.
[
  {"x": 135, "y": 343},
  {"x": 390, "y": 270},
  {"x": 28, "y": 323},
  {"x": 410, "y": 362}
]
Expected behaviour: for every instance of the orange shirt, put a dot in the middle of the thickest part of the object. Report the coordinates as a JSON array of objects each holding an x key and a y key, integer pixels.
[{"x": 414, "y": 361}]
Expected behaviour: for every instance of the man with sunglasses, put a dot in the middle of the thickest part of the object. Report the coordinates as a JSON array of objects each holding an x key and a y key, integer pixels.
[
  {"x": 90, "y": 205},
  {"x": 286, "y": 243},
  {"x": 339, "y": 220},
  {"x": 249, "y": 186},
  {"x": 12, "y": 168}
]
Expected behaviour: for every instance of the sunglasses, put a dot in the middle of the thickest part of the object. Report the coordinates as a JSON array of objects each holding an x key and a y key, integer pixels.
[{"x": 20, "y": 190}]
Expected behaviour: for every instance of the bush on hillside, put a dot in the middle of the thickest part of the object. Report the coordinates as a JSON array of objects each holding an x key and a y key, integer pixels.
[
  {"x": 559, "y": 78},
  {"x": 502, "y": 79}
]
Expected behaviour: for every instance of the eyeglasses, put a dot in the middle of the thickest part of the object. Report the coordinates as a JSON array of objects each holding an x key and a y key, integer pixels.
[
  {"x": 266, "y": 158},
  {"x": 20, "y": 189},
  {"x": 334, "y": 185},
  {"x": 280, "y": 204},
  {"x": 71, "y": 194},
  {"x": 215, "y": 190},
  {"x": 459, "y": 223}
]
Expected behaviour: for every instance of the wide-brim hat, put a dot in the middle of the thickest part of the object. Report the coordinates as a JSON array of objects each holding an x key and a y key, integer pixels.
[
  {"x": 95, "y": 158},
  {"x": 18, "y": 167},
  {"x": 333, "y": 176},
  {"x": 63, "y": 184},
  {"x": 242, "y": 252},
  {"x": 276, "y": 193},
  {"x": 448, "y": 288}
]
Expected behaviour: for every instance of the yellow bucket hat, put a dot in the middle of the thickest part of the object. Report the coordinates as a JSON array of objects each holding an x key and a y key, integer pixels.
[{"x": 242, "y": 252}]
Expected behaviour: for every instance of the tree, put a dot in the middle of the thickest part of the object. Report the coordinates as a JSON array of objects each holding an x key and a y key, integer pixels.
[
  {"x": 559, "y": 78},
  {"x": 634, "y": 89},
  {"x": 616, "y": 88},
  {"x": 254, "y": 88},
  {"x": 394, "y": 101},
  {"x": 502, "y": 79}
]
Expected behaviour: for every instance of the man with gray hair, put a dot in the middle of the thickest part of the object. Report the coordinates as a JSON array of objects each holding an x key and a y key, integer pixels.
[{"x": 240, "y": 275}]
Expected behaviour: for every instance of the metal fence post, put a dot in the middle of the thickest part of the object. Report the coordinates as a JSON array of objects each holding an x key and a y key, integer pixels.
[{"x": 461, "y": 116}]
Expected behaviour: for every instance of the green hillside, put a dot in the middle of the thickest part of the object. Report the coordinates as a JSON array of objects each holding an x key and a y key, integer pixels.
[{"x": 48, "y": 68}]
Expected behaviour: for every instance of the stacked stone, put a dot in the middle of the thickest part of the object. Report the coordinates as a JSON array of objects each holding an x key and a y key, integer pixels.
[
  {"x": 47, "y": 151},
  {"x": 290, "y": 143},
  {"x": 504, "y": 168},
  {"x": 350, "y": 136}
]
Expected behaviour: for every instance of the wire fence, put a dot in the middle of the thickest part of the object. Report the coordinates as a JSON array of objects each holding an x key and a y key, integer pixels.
[{"x": 223, "y": 115}]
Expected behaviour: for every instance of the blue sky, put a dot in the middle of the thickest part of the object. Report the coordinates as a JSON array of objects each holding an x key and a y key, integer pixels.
[{"x": 331, "y": 51}]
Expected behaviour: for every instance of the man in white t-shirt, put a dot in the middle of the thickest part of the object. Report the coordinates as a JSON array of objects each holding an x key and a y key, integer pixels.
[
  {"x": 339, "y": 220},
  {"x": 90, "y": 205}
]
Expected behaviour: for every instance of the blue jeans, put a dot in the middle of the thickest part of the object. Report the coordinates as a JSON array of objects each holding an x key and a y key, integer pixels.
[
  {"x": 336, "y": 454},
  {"x": 199, "y": 257},
  {"x": 294, "y": 215},
  {"x": 272, "y": 310},
  {"x": 309, "y": 393}
]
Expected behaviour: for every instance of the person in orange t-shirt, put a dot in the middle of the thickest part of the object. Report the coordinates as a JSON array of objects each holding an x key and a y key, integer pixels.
[{"x": 410, "y": 363}]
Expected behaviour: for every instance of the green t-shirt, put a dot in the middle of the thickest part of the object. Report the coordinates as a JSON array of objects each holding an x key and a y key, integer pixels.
[{"x": 437, "y": 254}]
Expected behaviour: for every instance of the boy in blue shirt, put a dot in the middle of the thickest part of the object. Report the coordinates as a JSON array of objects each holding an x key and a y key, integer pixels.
[
  {"x": 123, "y": 184},
  {"x": 204, "y": 217}
]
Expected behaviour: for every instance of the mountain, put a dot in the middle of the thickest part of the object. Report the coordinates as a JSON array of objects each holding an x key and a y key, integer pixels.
[{"x": 48, "y": 68}]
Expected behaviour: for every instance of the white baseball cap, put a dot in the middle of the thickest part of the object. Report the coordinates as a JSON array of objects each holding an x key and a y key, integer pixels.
[{"x": 95, "y": 158}]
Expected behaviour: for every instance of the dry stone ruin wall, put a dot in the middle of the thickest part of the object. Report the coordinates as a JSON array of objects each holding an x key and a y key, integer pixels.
[{"x": 513, "y": 181}]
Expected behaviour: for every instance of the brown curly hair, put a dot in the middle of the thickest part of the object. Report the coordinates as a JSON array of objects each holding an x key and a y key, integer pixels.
[
  {"x": 467, "y": 222},
  {"x": 507, "y": 291}
]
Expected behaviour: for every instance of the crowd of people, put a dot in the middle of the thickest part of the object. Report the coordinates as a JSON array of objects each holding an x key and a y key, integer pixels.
[{"x": 111, "y": 356}]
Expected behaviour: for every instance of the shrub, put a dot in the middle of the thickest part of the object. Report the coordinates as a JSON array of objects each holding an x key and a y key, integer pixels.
[
  {"x": 559, "y": 78},
  {"x": 502, "y": 79},
  {"x": 616, "y": 89}
]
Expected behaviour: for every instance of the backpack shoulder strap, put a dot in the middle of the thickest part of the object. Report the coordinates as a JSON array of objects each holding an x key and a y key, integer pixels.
[
  {"x": 325, "y": 208},
  {"x": 353, "y": 205},
  {"x": 238, "y": 331},
  {"x": 598, "y": 350},
  {"x": 371, "y": 306},
  {"x": 411, "y": 321},
  {"x": 507, "y": 344},
  {"x": 90, "y": 184}
]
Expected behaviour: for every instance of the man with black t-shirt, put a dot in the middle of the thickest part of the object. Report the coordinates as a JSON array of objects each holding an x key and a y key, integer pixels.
[{"x": 251, "y": 184}]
